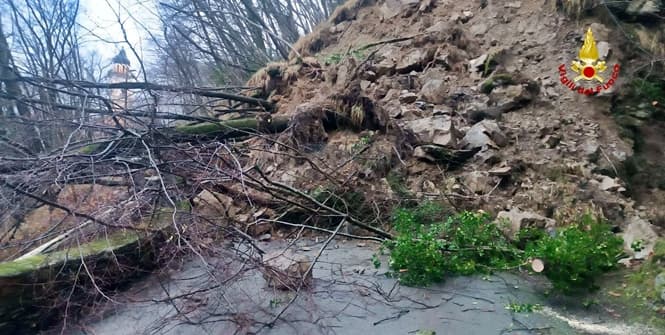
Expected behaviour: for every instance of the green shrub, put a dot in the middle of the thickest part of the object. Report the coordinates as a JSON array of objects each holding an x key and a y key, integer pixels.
[
  {"x": 432, "y": 243},
  {"x": 473, "y": 244},
  {"x": 416, "y": 251},
  {"x": 647, "y": 90},
  {"x": 427, "y": 248},
  {"x": 578, "y": 254}
]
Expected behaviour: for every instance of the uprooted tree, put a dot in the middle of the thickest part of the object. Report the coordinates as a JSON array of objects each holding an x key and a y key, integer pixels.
[{"x": 83, "y": 160}]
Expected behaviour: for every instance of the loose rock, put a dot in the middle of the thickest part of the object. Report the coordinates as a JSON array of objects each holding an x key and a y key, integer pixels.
[
  {"x": 644, "y": 7},
  {"x": 479, "y": 182},
  {"x": 257, "y": 229},
  {"x": 439, "y": 130},
  {"x": 512, "y": 96},
  {"x": 477, "y": 64},
  {"x": 414, "y": 59},
  {"x": 214, "y": 204},
  {"x": 408, "y": 97},
  {"x": 604, "y": 49},
  {"x": 591, "y": 149},
  {"x": 516, "y": 219},
  {"x": 285, "y": 270},
  {"x": 501, "y": 171},
  {"x": 434, "y": 91},
  {"x": 392, "y": 8},
  {"x": 641, "y": 230},
  {"x": 442, "y": 155},
  {"x": 609, "y": 184},
  {"x": 466, "y": 16},
  {"x": 659, "y": 285},
  {"x": 484, "y": 134},
  {"x": 551, "y": 141}
]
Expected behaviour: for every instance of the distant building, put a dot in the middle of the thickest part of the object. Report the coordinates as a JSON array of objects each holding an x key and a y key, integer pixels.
[
  {"x": 120, "y": 72},
  {"x": 121, "y": 99}
]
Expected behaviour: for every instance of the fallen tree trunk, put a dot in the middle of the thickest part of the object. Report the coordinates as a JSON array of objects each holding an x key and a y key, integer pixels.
[{"x": 237, "y": 127}]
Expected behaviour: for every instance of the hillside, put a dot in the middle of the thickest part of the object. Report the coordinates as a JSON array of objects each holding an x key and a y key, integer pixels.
[
  {"x": 386, "y": 106},
  {"x": 436, "y": 78}
]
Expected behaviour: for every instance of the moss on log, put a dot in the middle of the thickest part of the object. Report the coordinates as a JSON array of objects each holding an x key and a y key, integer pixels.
[
  {"x": 31, "y": 289},
  {"x": 236, "y": 128}
]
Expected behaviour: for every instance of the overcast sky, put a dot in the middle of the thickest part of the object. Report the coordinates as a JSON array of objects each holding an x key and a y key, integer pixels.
[{"x": 106, "y": 36}]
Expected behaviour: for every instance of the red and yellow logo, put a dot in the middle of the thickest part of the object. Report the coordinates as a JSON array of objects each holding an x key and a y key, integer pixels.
[{"x": 589, "y": 69}]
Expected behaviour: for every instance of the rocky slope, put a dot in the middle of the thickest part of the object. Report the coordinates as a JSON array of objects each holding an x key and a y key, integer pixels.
[{"x": 456, "y": 101}]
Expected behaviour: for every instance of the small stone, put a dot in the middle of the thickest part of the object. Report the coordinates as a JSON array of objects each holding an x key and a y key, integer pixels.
[
  {"x": 259, "y": 228},
  {"x": 659, "y": 285},
  {"x": 358, "y": 269},
  {"x": 477, "y": 63},
  {"x": 551, "y": 141},
  {"x": 501, "y": 171},
  {"x": 419, "y": 152},
  {"x": 430, "y": 188},
  {"x": 408, "y": 97},
  {"x": 242, "y": 218},
  {"x": 421, "y": 104},
  {"x": 364, "y": 84},
  {"x": 591, "y": 150},
  {"x": 466, "y": 16},
  {"x": 551, "y": 92},
  {"x": 439, "y": 112},
  {"x": 604, "y": 49},
  {"x": 369, "y": 75},
  {"x": 514, "y": 4},
  {"x": 489, "y": 156},
  {"x": 609, "y": 184},
  {"x": 265, "y": 237}
]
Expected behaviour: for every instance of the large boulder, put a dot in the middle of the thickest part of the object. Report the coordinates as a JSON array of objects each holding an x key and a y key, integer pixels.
[
  {"x": 479, "y": 182},
  {"x": 434, "y": 91},
  {"x": 416, "y": 58},
  {"x": 511, "y": 222},
  {"x": 386, "y": 61},
  {"x": 285, "y": 270},
  {"x": 512, "y": 97},
  {"x": 485, "y": 134},
  {"x": 213, "y": 204},
  {"x": 393, "y": 8},
  {"x": 438, "y": 130},
  {"x": 639, "y": 232}
]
